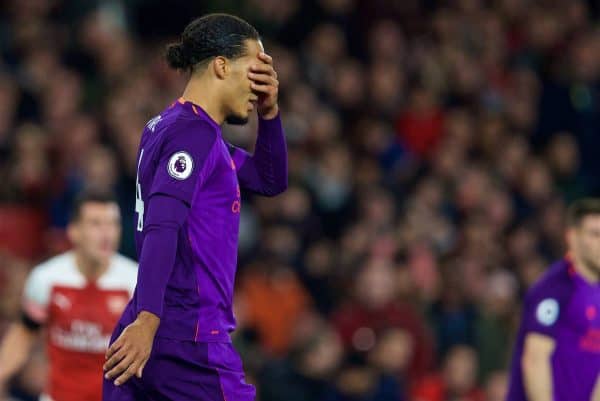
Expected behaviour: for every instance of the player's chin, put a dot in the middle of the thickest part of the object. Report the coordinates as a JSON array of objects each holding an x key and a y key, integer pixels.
[
  {"x": 237, "y": 119},
  {"x": 104, "y": 253},
  {"x": 102, "y": 258}
]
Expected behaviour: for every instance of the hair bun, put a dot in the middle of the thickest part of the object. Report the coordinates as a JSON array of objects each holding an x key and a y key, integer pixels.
[{"x": 176, "y": 57}]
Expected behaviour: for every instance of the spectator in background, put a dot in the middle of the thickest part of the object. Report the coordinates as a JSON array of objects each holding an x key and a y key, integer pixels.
[
  {"x": 496, "y": 322},
  {"x": 358, "y": 380},
  {"x": 311, "y": 365},
  {"x": 376, "y": 308},
  {"x": 496, "y": 386},
  {"x": 273, "y": 300},
  {"x": 457, "y": 380},
  {"x": 453, "y": 315},
  {"x": 420, "y": 126}
]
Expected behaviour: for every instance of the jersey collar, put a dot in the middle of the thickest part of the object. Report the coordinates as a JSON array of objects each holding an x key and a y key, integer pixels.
[
  {"x": 198, "y": 111},
  {"x": 574, "y": 274}
]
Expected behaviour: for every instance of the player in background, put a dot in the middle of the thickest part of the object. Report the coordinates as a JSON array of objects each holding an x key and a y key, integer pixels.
[
  {"x": 557, "y": 354},
  {"x": 173, "y": 342},
  {"x": 78, "y": 296}
]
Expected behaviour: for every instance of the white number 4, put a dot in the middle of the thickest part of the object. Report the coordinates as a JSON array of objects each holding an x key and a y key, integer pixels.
[{"x": 139, "y": 203}]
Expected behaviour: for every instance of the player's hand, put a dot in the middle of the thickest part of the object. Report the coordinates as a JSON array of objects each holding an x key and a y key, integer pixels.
[
  {"x": 266, "y": 86},
  {"x": 128, "y": 355}
]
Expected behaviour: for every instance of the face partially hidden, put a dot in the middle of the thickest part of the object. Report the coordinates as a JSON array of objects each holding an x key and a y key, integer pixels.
[
  {"x": 97, "y": 232},
  {"x": 584, "y": 242},
  {"x": 239, "y": 99}
]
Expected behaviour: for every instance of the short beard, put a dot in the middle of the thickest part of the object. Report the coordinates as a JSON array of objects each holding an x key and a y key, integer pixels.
[
  {"x": 593, "y": 266},
  {"x": 236, "y": 120}
]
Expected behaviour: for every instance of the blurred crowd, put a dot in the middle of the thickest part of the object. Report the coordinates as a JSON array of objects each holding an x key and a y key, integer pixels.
[{"x": 433, "y": 147}]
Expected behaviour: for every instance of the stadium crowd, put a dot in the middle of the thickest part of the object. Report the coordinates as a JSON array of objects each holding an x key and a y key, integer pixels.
[{"x": 433, "y": 147}]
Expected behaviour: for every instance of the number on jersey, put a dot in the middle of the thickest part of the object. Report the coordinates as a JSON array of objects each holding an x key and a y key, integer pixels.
[{"x": 139, "y": 203}]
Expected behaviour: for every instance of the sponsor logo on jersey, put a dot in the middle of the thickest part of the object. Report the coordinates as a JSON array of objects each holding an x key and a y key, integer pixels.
[
  {"x": 590, "y": 342},
  {"x": 116, "y": 304},
  {"x": 82, "y": 336}
]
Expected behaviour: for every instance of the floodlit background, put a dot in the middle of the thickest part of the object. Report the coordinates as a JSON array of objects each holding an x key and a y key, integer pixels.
[{"x": 433, "y": 146}]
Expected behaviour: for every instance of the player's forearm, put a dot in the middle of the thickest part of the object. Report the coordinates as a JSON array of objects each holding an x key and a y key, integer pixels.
[
  {"x": 149, "y": 320},
  {"x": 266, "y": 172},
  {"x": 166, "y": 215},
  {"x": 14, "y": 350},
  {"x": 596, "y": 392},
  {"x": 537, "y": 377}
]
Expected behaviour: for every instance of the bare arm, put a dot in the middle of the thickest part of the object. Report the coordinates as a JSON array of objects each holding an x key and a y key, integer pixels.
[
  {"x": 15, "y": 349},
  {"x": 537, "y": 370},
  {"x": 596, "y": 393}
]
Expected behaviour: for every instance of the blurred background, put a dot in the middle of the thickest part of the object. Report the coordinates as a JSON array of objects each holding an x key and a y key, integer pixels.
[{"x": 433, "y": 147}]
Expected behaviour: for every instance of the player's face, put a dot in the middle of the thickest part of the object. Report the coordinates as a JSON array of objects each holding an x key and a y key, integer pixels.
[
  {"x": 97, "y": 232},
  {"x": 240, "y": 99},
  {"x": 586, "y": 242}
]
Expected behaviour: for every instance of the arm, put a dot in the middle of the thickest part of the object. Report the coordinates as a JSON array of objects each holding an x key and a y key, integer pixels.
[
  {"x": 265, "y": 172},
  {"x": 130, "y": 352},
  {"x": 20, "y": 338},
  {"x": 166, "y": 215},
  {"x": 596, "y": 392},
  {"x": 540, "y": 322},
  {"x": 15, "y": 350},
  {"x": 537, "y": 370}
]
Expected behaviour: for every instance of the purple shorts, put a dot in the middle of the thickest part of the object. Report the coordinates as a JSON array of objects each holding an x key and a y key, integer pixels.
[{"x": 185, "y": 370}]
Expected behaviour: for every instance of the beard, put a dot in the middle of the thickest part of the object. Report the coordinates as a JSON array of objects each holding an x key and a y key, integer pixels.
[
  {"x": 593, "y": 264},
  {"x": 236, "y": 120}
]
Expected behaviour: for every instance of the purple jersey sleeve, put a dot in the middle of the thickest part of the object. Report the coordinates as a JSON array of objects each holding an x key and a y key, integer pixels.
[
  {"x": 542, "y": 310},
  {"x": 184, "y": 153},
  {"x": 265, "y": 172},
  {"x": 166, "y": 215}
]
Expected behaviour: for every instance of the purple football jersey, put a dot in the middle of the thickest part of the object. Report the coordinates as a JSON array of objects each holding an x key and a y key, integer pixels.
[
  {"x": 183, "y": 155},
  {"x": 564, "y": 306}
]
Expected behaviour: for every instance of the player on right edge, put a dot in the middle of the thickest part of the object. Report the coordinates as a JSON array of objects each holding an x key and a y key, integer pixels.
[
  {"x": 557, "y": 354},
  {"x": 172, "y": 342}
]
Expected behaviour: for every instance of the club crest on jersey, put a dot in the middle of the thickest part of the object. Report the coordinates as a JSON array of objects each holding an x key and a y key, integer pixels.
[
  {"x": 116, "y": 304},
  {"x": 547, "y": 311},
  {"x": 62, "y": 301},
  {"x": 180, "y": 165}
]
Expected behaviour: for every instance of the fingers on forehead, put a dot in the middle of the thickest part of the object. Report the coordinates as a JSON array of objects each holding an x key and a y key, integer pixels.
[
  {"x": 265, "y": 57},
  {"x": 263, "y": 68}
]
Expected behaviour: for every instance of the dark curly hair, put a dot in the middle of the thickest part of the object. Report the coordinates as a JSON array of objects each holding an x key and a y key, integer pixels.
[
  {"x": 90, "y": 195},
  {"x": 210, "y": 36},
  {"x": 582, "y": 208}
]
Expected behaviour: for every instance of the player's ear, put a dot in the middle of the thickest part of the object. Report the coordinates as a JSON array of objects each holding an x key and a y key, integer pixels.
[
  {"x": 73, "y": 232},
  {"x": 570, "y": 237},
  {"x": 220, "y": 67}
]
